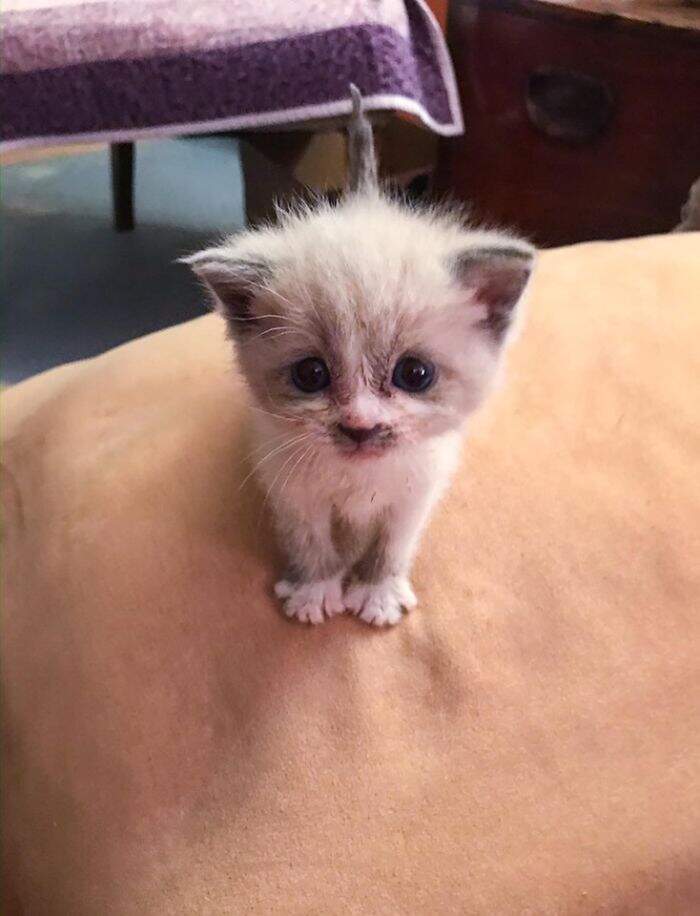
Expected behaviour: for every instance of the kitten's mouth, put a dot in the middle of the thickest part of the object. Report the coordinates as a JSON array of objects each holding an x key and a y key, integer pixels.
[
  {"x": 363, "y": 451},
  {"x": 360, "y": 442}
]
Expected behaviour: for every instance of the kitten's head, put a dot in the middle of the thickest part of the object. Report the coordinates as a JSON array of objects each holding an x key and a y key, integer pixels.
[{"x": 370, "y": 324}]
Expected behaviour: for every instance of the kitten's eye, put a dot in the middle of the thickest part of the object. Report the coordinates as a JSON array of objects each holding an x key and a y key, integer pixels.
[
  {"x": 311, "y": 374},
  {"x": 412, "y": 374}
]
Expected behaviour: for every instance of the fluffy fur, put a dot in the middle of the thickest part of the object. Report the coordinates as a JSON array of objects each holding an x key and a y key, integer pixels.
[{"x": 360, "y": 284}]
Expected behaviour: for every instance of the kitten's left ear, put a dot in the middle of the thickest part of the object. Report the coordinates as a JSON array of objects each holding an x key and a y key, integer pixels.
[{"x": 495, "y": 278}]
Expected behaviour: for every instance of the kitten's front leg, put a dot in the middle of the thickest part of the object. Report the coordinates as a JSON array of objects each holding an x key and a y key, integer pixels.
[
  {"x": 313, "y": 588},
  {"x": 380, "y": 586}
]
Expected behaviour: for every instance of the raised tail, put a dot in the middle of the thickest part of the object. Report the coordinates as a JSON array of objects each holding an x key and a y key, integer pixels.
[{"x": 362, "y": 160}]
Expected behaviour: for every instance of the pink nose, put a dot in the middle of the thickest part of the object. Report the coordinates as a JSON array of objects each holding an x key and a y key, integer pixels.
[{"x": 361, "y": 433}]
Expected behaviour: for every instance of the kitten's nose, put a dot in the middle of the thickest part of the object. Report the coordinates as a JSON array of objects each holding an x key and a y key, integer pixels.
[{"x": 361, "y": 433}]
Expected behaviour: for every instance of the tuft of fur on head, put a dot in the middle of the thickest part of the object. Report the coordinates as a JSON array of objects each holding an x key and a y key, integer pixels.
[{"x": 360, "y": 284}]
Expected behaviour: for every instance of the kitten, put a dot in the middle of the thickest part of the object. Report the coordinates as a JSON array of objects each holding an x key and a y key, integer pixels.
[{"x": 368, "y": 332}]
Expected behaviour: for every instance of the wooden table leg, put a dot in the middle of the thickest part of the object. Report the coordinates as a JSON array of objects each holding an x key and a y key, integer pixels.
[{"x": 122, "y": 165}]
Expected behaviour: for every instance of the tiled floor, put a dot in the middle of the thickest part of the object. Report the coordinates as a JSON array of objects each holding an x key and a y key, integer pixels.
[{"x": 71, "y": 286}]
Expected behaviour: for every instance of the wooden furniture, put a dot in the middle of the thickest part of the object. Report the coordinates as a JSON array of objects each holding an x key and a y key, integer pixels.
[{"x": 582, "y": 119}]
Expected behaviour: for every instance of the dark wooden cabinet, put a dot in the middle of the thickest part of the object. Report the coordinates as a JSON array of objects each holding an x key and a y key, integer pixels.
[{"x": 581, "y": 123}]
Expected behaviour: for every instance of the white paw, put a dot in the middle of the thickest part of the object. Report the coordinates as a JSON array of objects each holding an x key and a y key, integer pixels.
[
  {"x": 308, "y": 601},
  {"x": 380, "y": 603}
]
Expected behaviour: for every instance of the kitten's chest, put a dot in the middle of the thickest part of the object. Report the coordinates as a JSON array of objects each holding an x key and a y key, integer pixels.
[{"x": 359, "y": 495}]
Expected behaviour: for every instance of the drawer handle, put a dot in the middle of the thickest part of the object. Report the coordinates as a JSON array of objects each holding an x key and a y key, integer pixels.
[{"x": 568, "y": 106}]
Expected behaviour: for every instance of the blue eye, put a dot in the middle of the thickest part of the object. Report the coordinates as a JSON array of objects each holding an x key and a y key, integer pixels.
[
  {"x": 413, "y": 375},
  {"x": 310, "y": 375}
]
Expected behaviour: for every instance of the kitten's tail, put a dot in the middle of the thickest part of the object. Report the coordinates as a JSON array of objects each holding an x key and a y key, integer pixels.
[{"x": 362, "y": 160}]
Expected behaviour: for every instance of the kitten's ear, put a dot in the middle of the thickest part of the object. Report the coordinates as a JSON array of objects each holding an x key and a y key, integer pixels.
[
  {"x": 232, "y": 283},
  {"x": 495, "y": 278}
]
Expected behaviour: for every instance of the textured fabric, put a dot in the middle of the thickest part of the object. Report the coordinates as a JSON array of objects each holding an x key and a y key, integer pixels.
[
  {"x": 142, "y": 66},
  {"x": 527, "y": 741}
]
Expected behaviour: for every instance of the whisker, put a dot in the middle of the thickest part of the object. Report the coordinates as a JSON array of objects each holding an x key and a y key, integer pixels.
[
  {"x": 263, "y": 445},
  {"x": 273, "y": 292},
  {"x": 277, "y": 332},
  {"x": 277, "y": 327},
  {"x": 302, "y": 332},
  {"x": 255, "y": 317},
  {"x": 310, "y": 301},
  {"x": 281, "y": 327},
  {"x": 263, "y": 288},
  {"x": 277, "y": 415},
  {"x": 280, "y": 332},
  {"x": 280, "y": 448},
  {"x": 288, "y": 323},
  {"x": 294, "y": 467},
  {"x": 289, "y": 458},
  {"x": 280, "y": 471}
]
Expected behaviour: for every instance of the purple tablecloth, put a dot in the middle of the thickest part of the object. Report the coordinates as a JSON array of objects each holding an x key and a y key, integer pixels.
[{"x": 124, "y": 69}]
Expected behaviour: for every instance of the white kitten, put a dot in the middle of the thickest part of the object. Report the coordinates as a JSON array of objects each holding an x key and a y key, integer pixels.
[{"x": 368, "y": 332}]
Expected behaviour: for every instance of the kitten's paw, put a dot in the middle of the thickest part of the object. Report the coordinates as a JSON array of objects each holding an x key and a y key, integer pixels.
[
  {"x": 380, "y": 603},
  {"x": 308, "y": 601}
]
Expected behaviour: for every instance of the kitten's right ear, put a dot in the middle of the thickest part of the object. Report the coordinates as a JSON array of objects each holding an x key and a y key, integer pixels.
[{"x": 232, "y": 284}]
